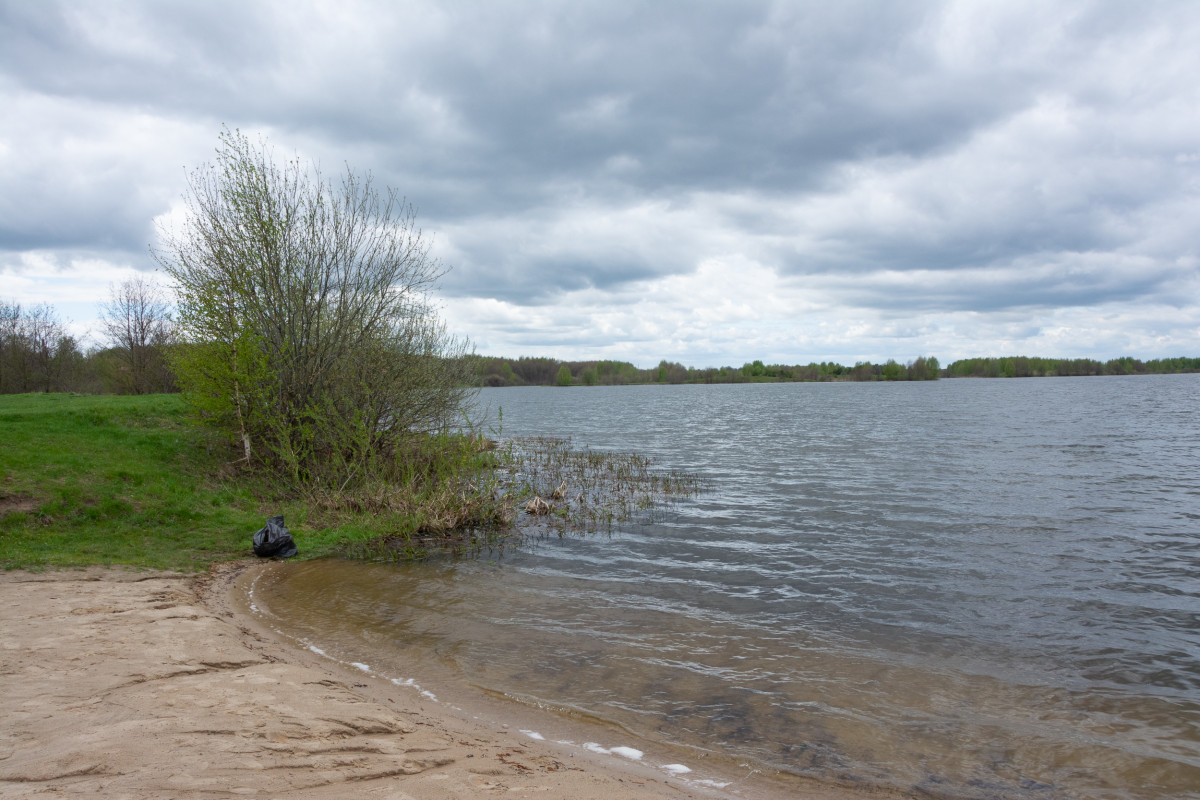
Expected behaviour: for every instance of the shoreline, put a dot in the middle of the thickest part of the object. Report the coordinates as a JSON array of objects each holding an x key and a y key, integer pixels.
[{"x": 148, "y": 684}]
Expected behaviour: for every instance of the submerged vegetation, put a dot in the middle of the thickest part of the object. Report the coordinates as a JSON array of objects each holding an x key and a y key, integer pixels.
[{"x": 585, "y": 490}]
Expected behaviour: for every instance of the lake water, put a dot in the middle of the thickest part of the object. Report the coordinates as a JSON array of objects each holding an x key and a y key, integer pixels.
[{"x": 971, "y": 588}]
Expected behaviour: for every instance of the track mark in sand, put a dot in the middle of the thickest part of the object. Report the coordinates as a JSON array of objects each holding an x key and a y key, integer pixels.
[
  {"x": 204, "y": 668},
  {"x": 216, "y": 666},
  {"x": 86, "y": 611},
  {"x": 367, "y": 727},
  {"x": 91, "y": 769},
  {"x": 405, "y": 768},
  {"x": 370, "y": 750}
]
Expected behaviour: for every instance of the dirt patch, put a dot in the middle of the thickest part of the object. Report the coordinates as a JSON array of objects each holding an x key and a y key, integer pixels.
[{"x": 18, "y": 503}]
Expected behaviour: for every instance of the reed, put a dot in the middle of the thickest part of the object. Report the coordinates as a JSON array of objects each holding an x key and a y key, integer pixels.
[{"x": 584, "y": 490}]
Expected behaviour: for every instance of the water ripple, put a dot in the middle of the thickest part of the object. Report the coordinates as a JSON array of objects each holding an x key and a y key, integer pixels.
[{"x": 976, "y": 588}]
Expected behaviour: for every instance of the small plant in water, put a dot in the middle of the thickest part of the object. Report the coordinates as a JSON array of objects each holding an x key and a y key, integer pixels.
[{"x": 563, "y": 490}]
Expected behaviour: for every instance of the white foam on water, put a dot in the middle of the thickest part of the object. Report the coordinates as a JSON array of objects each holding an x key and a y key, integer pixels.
[
  {"x": 627, "y": 752},
  {"x": 677, "y": 769},
  {"x": 714, "y": 784},
  {"x": 250, "y": 593},
  {"x": 360, "y": 665},
  {"x": 412, "y": 684},
  {"x": 534, "y": 735},
  {"x": 318, "y": 650}
]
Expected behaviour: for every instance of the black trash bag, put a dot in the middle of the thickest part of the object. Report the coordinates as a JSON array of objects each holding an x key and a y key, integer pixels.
[{"x": 274, "y": 540}]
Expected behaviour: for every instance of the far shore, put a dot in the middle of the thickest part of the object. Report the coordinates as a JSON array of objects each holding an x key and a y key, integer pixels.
[{"x": 128, "y": 684}]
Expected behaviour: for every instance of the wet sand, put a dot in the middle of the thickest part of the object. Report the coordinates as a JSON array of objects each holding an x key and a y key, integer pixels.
[{"x": 124, "y": 684}]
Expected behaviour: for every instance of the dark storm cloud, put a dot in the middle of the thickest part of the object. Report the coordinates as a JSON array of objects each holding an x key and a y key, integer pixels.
[
  {"x": 1049, "y": 285},
  {"x": 653, "y": 99},
  {"x": 979, "y": 156},
  {"x": 191, "y": 57}
]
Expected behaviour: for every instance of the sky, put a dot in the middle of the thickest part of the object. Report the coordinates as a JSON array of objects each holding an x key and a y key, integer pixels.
[{"x": 703, "y": 182}]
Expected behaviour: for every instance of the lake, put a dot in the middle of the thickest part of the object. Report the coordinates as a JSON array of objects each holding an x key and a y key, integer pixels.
[{"x": 971, "y": 588}]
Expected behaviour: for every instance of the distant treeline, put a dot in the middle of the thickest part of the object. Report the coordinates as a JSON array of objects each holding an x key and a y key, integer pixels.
[
  {"x": 38, "y": 355},
  {"x": 1033, "y": 367},
  {"x": 535, "y": 371}
]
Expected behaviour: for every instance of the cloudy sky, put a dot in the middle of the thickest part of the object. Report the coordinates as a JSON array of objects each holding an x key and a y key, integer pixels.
[{"x": 707, "y": 182}]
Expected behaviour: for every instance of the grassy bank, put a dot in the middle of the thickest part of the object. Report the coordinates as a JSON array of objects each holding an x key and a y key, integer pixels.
[
  {"x": 113, "y": 480},
  {"x": 87, "y": 479},
  {"x": 126, "y": 480}
]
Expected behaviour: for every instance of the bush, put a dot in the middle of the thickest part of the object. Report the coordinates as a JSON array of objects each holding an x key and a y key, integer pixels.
[{"x": 303, "y": 308}]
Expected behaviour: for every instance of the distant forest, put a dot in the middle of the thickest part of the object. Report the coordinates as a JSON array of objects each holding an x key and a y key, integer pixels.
[{"x": 536, "y": 371}]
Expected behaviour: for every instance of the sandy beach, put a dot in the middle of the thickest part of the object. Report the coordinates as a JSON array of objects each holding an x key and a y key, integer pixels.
[{"x": 125, "y": 684}]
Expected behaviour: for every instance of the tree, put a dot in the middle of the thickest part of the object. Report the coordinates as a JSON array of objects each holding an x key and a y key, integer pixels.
[
  {"x": 923, "y": 369},
  {"x": 137, "y": 321},
  {"x": 36, "y": 353},
  {"x": 11, "y": 349},
  {"x": 307, "y": 328},
  {"x": 753, "y": 370},
  {"x": 564, "y": 376},
  {"x": 893, "y": 371}
]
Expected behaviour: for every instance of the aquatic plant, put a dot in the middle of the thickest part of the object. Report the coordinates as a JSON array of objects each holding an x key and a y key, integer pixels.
[{"x": 564, "y": 489}]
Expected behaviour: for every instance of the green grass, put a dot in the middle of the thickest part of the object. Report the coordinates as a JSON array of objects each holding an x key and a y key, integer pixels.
[
  {"x": 127, "y": 480},
  {"x": 113, "y": 480}
]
